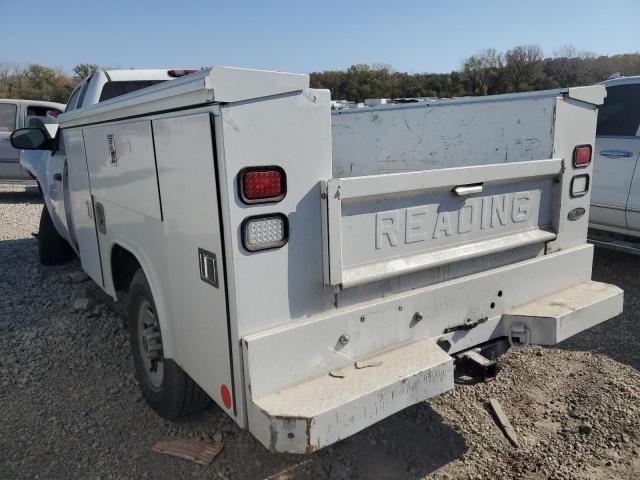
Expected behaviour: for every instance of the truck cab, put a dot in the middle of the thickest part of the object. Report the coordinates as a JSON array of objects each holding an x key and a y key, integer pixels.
[
  {"x": 615, "y": 199},
  {"x": 106, "y": 84},
  {"x": 49, "y": 167},
  {"x": 16, "y": 114}
]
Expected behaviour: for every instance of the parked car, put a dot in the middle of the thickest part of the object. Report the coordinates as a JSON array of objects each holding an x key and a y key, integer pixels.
[
  {"x": 315, "y": 273},
  {"x": 16, "y": 114},
  {"x": 615, "y": 197},
  {"x": 49, "y": 167}
]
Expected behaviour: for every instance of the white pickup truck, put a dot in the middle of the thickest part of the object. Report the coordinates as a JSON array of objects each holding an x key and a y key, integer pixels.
[
  {"x": 49, "y": 167},
  {"x": 315, "y": 273},
  {"x": 615, "y": 200},
  {"x": 16, "y": 114}
]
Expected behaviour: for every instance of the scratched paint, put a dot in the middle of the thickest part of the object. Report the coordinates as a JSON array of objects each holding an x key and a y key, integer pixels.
[
  {"x": 329, "y": 409},
  {"x": 422, "y": 137}
]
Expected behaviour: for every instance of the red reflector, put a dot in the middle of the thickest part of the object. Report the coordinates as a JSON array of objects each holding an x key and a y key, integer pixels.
[
  {"x": 226, "y": 396},
  {"x": 262, "y": 185},
  {"x": 582, "y": 156}
]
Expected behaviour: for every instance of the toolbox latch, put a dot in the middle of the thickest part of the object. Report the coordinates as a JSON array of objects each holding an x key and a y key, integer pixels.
[{"x": 208, "y": 267}]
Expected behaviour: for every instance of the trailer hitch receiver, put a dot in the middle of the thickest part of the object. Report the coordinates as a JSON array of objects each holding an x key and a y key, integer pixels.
[{"x": 473, "y": 367}]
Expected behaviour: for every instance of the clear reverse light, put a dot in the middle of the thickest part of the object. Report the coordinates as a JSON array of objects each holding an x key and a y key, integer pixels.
[
  {"x": 579, "y": 185},
  {"x": 261, "y": 233}
]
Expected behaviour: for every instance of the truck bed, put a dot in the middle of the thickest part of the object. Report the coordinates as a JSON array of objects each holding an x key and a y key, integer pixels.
[
  {"x": 462, "y": 184},
  {"x": 494, "y": 129}
]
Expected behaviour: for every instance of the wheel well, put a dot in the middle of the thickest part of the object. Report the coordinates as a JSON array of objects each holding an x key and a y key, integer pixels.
[{"x": 124, "y": 265}]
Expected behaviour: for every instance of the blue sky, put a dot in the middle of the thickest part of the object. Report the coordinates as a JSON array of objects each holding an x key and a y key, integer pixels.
[{"x": 303, "y": 36}]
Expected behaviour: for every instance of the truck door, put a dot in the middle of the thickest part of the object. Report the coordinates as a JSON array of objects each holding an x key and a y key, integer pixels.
[
  {"x": 632, "y": 145},
  {"x": 616, "y": 155},
  {"x": 9, "y": 156}
]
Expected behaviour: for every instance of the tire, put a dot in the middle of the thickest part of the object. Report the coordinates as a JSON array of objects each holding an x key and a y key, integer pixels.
[
  {"x": 52, "y": 248},
  {"x": 165, "y": 386}
]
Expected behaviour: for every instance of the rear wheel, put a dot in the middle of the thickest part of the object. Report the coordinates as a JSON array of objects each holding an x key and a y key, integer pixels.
[
  {"x": 52, "y": 248},
  {"x": 165, "y": 386}
]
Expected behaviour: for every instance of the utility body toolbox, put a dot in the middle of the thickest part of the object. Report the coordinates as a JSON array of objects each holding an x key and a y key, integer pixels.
[{"x": 317, "y": 272}]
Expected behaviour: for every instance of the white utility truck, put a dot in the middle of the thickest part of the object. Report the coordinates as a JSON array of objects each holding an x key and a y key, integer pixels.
[{"x": 314, "y": 273}]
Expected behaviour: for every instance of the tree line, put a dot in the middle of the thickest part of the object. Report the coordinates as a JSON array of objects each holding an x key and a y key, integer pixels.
[
  {"x": 37, "y": 82},
  {"x": 522, "y": 68}
]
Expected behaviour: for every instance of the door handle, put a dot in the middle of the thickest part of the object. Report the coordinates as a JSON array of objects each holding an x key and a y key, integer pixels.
[
  {"x": 57, "y": 177},
  {"x": 208, "y": 267},
  {"x": 462, "y": 190},
  {"x": 616, "y": 153}
]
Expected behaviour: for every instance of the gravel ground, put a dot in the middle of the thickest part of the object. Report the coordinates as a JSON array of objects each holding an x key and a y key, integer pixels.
[{"x": 70, "y": 407}]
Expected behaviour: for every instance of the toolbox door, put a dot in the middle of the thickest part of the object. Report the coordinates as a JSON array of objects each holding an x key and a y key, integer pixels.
[
  {"x": 82, "y": 205},
  {"x": 194, "y": 252}
]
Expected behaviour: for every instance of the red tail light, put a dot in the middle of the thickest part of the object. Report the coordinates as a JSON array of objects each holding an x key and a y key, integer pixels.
[
  {"x": 179, "y": 73},
  {"x": 582, "y": 156},
  {"x": 262, "y": 184}
]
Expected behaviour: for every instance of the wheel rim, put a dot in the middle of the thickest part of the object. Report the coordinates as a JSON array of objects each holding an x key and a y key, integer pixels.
[{"x": 150, "y": 345}]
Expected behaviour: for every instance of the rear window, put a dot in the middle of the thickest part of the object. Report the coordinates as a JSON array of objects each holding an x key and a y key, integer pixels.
[
  {"x": 620, "y": 114},
  {"x": 37, "y": 116},
  {"x": 7, "y": 117},
  {"x": 115, "y": 89},
  {"x": 71, "y": 104},
  {"x": 38, "y": 111}
]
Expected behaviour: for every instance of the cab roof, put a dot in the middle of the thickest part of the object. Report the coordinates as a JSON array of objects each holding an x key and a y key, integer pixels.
[
  {"x": 621, "y": 81},
  {"x": 138, "y": 74},
  {"x": 38, "y": 103}
]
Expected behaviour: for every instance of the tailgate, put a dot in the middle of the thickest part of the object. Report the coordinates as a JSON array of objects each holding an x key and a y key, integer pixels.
[{"x": 383, "y": 226}]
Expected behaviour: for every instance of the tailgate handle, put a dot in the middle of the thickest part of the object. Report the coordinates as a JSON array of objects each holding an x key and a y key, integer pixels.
[{"x": 462, "y": 190}]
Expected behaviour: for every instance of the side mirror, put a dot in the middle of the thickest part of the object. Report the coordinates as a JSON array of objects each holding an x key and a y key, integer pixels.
[{"x": 31, "y": 139}]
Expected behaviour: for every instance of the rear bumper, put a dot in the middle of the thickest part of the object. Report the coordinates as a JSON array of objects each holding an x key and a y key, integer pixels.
[
  {"x": 557, "y": 317},
  {"x": 310, "y": 415},
  {"x": 305, "y": 390}
]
